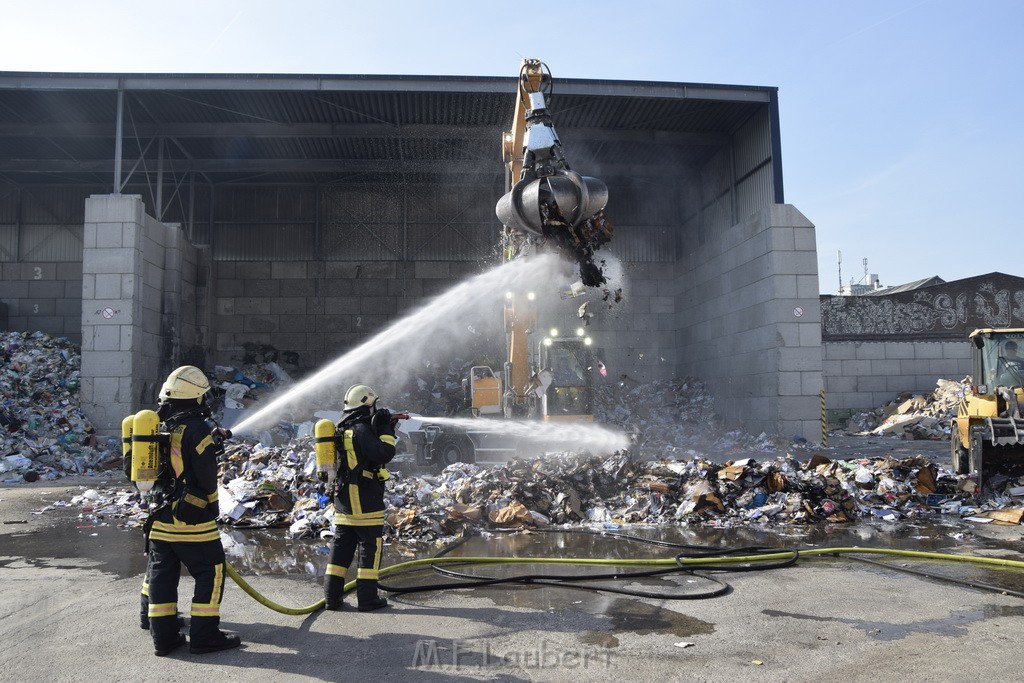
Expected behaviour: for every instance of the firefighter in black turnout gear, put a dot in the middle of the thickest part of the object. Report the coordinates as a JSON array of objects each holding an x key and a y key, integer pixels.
[
  {"x": 365, "y": 442},
  {"x": 182, "y": 529}
]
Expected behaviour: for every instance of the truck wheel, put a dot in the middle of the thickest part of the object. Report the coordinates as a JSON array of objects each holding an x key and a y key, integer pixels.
[
  {"x": 960, "y": 455},
  {"x": 450, "y": 451}
]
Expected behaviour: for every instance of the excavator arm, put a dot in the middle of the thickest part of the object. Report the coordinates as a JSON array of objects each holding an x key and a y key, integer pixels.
[{"x": 547, "y": 202}]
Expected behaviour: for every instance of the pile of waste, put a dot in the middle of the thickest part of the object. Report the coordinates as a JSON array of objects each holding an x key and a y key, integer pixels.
[
  {"x": 277, "y": 488},
  {"x": 914, "y": 416},
  {"x": 43, "y": 434},
  {"x": 571, "y": 489},
  {"x": 241, "y": 388}
]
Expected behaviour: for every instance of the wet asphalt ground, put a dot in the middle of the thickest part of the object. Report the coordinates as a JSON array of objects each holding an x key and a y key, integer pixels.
[{"x": 69, "y": 601}]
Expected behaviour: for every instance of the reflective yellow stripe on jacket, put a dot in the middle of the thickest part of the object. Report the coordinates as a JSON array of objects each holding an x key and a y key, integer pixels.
[{"x": 179, "y": 532}]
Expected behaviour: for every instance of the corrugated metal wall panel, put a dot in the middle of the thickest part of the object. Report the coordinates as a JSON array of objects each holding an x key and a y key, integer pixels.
[
  {"x": 453, "y": 241},
  {"x": 8, "y": 243},
  {"x": 53, "y": 205},
  {"x": 752, "y": 144},
  {"x": 361, "y": 241},
  {"x": 718, "y": 215},
  {"x": 690, "y": 235},
  {"x": 8, "y": 205},
  {"x": 645, "y": 244},
  {"x": 755, "y": 192},
  {"x": 648, "y": 205},
  {"x": 50, "y": 243},
  {"x": 465, "y": 204},
  {"x": 263, "y": 204},
  {"x": 261, "y": 242},
  {"x": 716, "y": 175}
]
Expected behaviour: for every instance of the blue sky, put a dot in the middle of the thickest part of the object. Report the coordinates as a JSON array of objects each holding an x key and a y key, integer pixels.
[{"x": 901, "y": 119}]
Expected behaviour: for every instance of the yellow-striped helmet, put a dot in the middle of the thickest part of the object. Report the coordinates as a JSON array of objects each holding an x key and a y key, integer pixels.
[
  {"x": 359, "y": 395},
  {"x": 187, "y": 382}
]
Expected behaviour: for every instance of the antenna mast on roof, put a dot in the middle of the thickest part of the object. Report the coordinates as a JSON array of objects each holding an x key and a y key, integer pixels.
[{"x": 839, "y": 258}]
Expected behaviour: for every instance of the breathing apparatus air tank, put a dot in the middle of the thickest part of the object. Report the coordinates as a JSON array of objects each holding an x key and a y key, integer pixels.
[
  {"x": 326, "y": 448},
  {"x": 126, "y": 444},
  {"x": 145, "y": 449}
]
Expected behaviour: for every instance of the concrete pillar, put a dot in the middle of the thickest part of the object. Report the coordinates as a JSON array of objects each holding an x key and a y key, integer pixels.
[
  {"x": 112, "y": 312},
  {"x": 750, "y": 322},
  {"x": 132, "y": 284}
]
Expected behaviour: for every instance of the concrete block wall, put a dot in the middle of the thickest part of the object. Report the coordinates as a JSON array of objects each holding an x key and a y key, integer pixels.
[
  {"x": 43, "y": 296},
  {"x": 132, "y": 279},
  {"x": 317, "y": 309},
  {"x": 865, "y": 375},
  {"x": 749, "y": 321},
  {"x": 636, "y": 337}
]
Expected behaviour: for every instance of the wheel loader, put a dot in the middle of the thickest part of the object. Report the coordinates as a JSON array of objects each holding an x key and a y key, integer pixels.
[{"x": 988, "y": 430}]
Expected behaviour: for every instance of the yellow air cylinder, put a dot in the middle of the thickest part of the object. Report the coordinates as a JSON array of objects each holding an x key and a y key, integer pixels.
[
  {"x": 145, "y": 448},
  {"x": 126, "y": 444},
  {"x": 126, "y": 436},
  {"x": 326, "y": 448}
]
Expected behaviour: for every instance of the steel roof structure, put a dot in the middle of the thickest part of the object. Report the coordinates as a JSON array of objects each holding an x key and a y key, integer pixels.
[{"x": 231, "y": 129}]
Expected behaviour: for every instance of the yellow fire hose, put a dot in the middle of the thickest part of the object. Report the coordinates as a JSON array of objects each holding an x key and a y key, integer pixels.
[{"x": 695, "y": 562}]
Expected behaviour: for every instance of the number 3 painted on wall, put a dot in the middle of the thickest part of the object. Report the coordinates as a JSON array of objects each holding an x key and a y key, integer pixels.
[
  {"x": 37, "y": 273},
  {"x": 35, "y": 308}
]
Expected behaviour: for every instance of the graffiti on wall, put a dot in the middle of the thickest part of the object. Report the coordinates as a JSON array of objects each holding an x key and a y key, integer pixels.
[{"x": 945, "y": 311}]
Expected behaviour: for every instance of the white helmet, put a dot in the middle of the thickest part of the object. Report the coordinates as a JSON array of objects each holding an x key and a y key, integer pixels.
[
  {"x": 359, "y": 395},
  {"x": 187, "y": 382}
]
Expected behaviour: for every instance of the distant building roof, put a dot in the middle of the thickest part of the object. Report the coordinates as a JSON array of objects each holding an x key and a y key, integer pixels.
[
  {"x": 928, "y": 310},
  {"x": 916, "y": 284}
]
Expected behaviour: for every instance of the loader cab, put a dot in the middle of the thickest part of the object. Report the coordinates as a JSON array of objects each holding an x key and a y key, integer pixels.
[
  {"x": 570, "y": 394},
  {"x": 998, "y": 359}
]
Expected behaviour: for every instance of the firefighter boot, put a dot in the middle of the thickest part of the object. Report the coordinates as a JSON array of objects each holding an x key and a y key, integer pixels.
[
  {"x": 166, "y": 636},
  {"x": 206, "y": 636},
  {"x": 333, "y": 589},
  {"x": 366, "y": 592}
]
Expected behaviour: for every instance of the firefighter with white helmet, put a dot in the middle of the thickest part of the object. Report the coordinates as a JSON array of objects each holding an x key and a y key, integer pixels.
[
  {"x": 360, "y": 446},
  {"x": 182, "y": 529}
]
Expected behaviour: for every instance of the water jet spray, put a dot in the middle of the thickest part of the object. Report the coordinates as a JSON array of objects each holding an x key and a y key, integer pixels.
[
  {"x": 400, "y": 344},
  {"x": 548, "y": 436}
]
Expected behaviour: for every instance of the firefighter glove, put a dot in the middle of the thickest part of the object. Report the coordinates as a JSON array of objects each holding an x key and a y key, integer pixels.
[{"x": 381, "y": 421}]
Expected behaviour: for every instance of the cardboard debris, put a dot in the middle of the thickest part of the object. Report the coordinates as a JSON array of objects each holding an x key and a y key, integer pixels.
[
  {"x": 914, "y": 417},
  {"x": 1004, "y": 516}
]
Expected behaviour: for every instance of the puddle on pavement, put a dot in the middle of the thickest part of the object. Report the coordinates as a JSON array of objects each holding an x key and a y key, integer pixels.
[
  {"x": 953, "y": 625},
  {"x": 103, "y": 548}
]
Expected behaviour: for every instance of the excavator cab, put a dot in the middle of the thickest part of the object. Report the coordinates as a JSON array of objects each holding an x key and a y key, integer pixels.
[
  {"x": 569, "y": 392},
  {"x": 485, "y": 391},
  {"x": 988, "y": 429}
]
